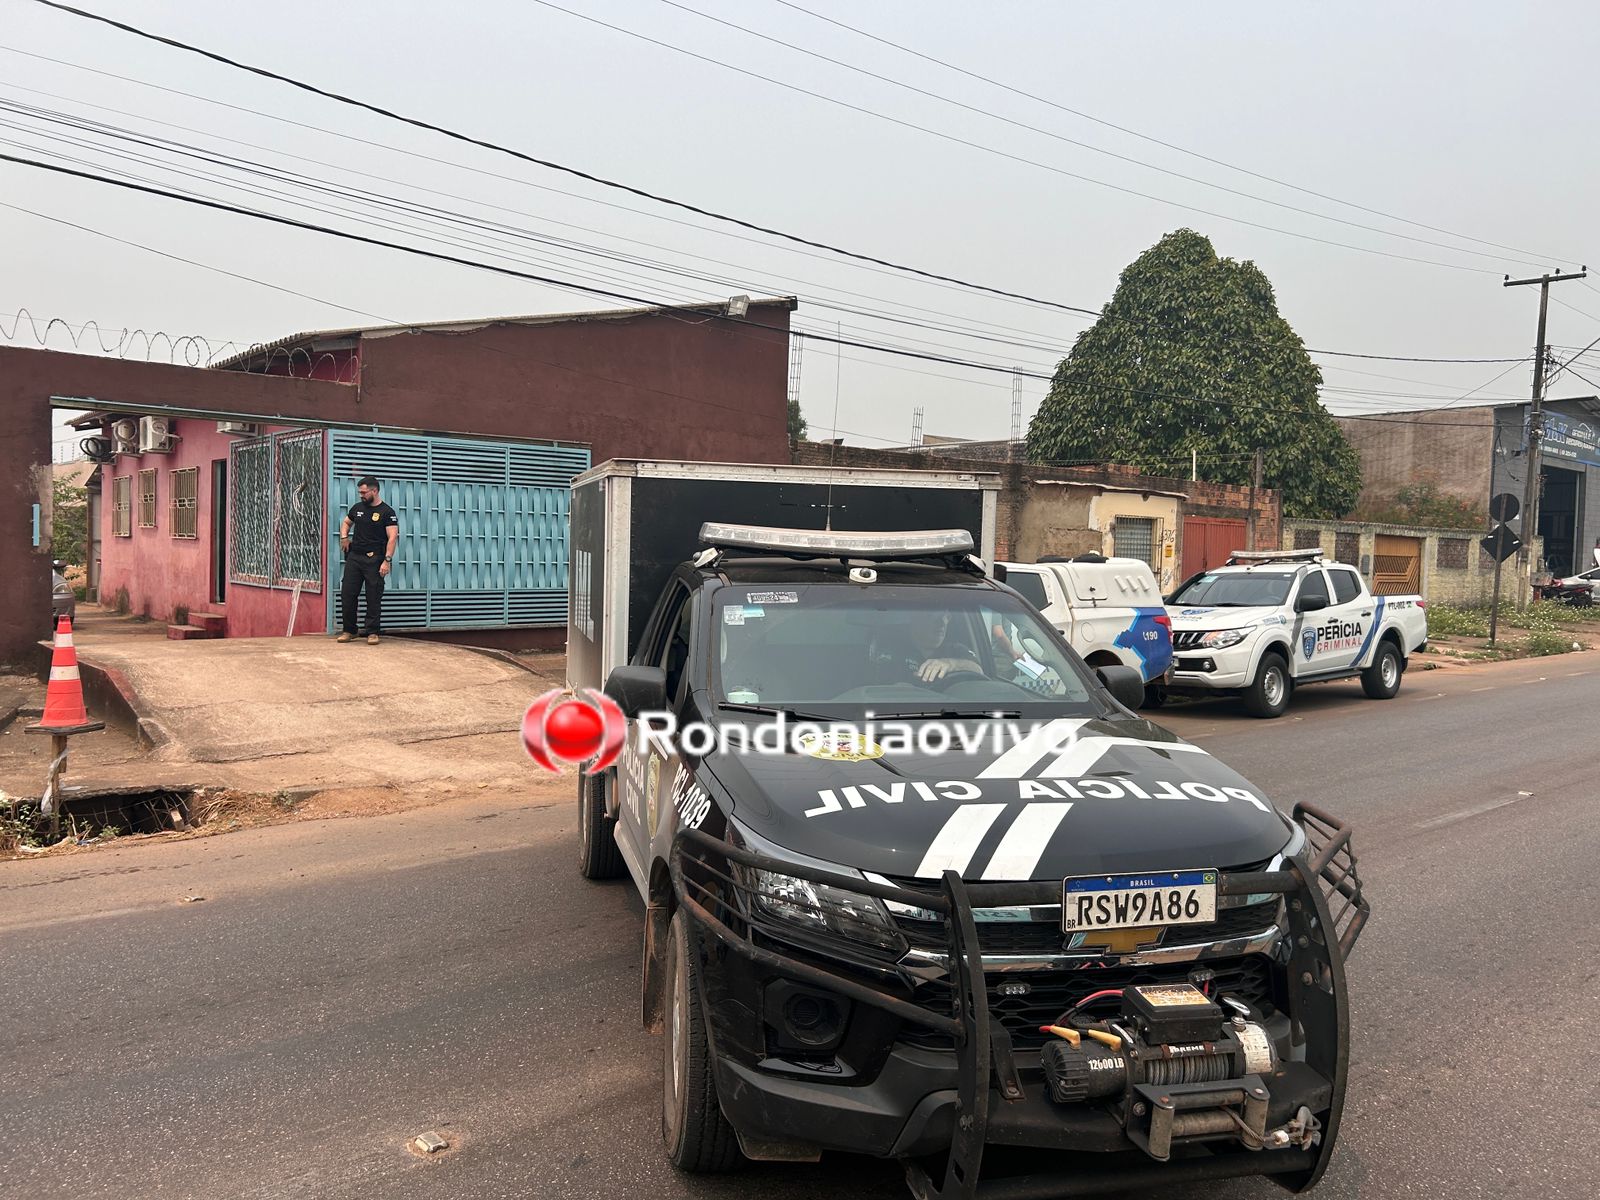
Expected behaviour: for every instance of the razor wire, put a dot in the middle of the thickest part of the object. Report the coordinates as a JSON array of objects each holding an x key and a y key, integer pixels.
[{"x": 186, "y": 350}]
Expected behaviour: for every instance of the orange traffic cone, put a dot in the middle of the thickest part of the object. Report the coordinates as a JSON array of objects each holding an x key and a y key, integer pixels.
[{"x": 64, "y": 712}]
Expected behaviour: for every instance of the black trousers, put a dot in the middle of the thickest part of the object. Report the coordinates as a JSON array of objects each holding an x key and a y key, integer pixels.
[{"x": 358, "y": 570}]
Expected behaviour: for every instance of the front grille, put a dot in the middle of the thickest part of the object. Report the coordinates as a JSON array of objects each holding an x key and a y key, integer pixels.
[
  {"x": 1187, "y": 639},
  {"x": 1050, "y": 994},
  {"x": 1046, "y": 937}
]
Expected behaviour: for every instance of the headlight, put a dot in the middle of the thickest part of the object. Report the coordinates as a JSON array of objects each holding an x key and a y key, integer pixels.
[
  {"x": 1221, "y": 639},
  {"x": 1296, "y": 842},
  {"x": 822, "y": 909}
]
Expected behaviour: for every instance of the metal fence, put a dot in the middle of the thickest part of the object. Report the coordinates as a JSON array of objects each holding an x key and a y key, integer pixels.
[{"x": 483, "y": 526}]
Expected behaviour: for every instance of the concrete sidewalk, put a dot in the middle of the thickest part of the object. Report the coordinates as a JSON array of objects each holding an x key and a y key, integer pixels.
[{"x": 268, "y": 714}]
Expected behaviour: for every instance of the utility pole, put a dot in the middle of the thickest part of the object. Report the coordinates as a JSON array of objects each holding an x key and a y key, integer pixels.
[
  {"x": 1532, "y": 460},
  {"x": 1255, "y": 488},
  {"x": 1016, "y": 403}
]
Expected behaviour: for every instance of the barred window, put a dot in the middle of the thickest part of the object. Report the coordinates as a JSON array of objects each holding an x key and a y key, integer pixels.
[
  {"x": 186, "y": 503},
  {"x": 250, "y": 511},
  {"x": 122, "y": 506},
  {"x": 1453, "y": 554},
  {"x": 1135, "y": 537},
  {"x": 297, "y": 509},
  {"x": 147, "y": 498},
  {"x": 1308, "y": 539},
  {"x": 1347, "y": 548},
  {"x": 276, "y": 513}
]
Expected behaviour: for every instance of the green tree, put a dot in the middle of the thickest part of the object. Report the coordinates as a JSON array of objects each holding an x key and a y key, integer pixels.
[
  {"x": 797, "y": 423},
  {"x": 1191, "y": 355},
  {"x": 69, "y": 523}
]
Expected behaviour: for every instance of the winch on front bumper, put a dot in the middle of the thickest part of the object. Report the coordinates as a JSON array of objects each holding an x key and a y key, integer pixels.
[{"x": 1222, "y": 1092}]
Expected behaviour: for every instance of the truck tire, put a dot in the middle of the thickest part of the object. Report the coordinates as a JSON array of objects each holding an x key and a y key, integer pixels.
[
  {"x": 1268, "y": 693},
  {"x": 598, "y": 856},
  {"x": 1381, "y": 680},
  {"x": 697, "y": 1136}
]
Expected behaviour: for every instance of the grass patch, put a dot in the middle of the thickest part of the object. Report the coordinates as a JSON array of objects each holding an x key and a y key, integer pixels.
[
  {"x": 1543, "y": 642},
  {"x": 1446, "y": 619}
]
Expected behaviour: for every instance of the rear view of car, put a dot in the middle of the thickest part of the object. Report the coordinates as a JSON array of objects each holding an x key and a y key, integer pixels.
[
  {"x": 1109, "y": 609},
  {"x": 63, "y": 603}
]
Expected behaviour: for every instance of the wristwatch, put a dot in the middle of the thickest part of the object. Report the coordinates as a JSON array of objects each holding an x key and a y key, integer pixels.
[{"x": 388, "y": 558}]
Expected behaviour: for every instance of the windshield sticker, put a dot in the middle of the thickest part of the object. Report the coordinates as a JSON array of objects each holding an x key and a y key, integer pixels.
[
  {"x": 838, "y": 745},
  {"x": 733, "y": 616},
  {"x": 774, "y": 597}
]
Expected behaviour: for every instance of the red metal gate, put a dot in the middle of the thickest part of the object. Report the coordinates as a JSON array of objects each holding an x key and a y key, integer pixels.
[{"x": 1207, "y": 542}]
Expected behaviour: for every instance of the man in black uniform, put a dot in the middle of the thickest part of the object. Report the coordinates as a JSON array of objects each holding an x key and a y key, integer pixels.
[{"x": 367, "y": 535}]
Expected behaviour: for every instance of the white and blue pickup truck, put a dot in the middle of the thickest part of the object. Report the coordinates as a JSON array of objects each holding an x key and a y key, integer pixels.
[{"x": 1270, "y": 621}]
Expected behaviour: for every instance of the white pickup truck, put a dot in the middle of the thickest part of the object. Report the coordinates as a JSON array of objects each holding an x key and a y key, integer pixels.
[{"x": 1270, "y": 621}]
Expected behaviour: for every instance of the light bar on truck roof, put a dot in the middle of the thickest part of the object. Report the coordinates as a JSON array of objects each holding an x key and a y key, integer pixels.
[
  {"x": 1246, "y": 557},
  {"x": 913, "y": 543}
]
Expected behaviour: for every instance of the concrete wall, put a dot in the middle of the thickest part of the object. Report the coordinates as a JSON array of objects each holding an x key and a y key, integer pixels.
[
  {"x": 653, "y": 386},
  {"x": 1070, "y": 510},
  {"x": 1449, "y": 449},
  {"x": 160, "y": 573},
  {"x": 1442, "y": 583}
]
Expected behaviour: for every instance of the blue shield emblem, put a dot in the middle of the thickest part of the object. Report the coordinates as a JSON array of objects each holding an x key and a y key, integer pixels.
[{"x": 1308, "y": 642}]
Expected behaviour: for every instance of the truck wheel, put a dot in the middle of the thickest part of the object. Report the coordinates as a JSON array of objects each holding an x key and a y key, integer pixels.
[
  {"x": 598, "y": 856},
  {"x": 1381, "y": 680},
  {"x": 697, "y": 1136},
  {"x": 1268, "y": 693}
]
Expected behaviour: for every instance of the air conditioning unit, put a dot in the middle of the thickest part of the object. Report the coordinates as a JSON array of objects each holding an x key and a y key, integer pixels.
[
  {"x": 155, "y": 435},
  {"x": 244, "y": 428},
  {"x": 125, "y": 436}
]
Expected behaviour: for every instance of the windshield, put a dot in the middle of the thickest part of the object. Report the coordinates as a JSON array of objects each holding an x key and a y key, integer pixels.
[
  {"x": 1243, "y": 590},
  {"x": 893, "y": 649}
]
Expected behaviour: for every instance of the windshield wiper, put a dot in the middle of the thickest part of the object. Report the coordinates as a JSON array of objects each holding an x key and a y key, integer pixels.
[
  {"x": 953, "y": 712},
  {"x": 767, "y": 710}
]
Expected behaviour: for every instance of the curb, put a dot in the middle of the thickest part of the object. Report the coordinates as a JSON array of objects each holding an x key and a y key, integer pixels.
[{"x": 111, "y": 693}]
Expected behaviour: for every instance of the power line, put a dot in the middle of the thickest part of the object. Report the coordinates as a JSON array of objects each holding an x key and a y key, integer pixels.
[
  {"x": 680, "y": 204},
  {"x": 998, "y": 153},
  {"x": 1016, "y": 91},
  {"x": 1071, "y": 141},
  {"x": 576, "y": 172},
  {"x": 364, "y": 239}
]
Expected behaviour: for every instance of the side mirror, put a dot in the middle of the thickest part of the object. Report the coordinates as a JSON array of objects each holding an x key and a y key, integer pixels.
[
  {"x": 998, "y": 571},
  {"x": 638, "y": 689},
  {"x": 1124, "y": 683},
  {"x": 1311, "y": 604}
]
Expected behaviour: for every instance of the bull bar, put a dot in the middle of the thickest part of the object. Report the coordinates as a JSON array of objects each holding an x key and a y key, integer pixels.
[{"x": 1325, "y": 912}]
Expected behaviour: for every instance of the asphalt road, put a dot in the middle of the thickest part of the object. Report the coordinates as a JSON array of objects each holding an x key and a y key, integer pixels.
[{"x": 343, "y": 985}]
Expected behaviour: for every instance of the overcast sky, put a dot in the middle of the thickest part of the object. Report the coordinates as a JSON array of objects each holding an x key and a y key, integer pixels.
[{"x": 1475, "y": 118}]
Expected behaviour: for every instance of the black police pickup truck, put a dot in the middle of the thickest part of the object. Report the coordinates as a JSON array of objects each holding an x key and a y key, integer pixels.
[{"x": 919, "y": 884}]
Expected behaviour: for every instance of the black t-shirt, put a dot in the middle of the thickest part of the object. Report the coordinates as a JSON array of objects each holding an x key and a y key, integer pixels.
[
  {"x": 896, "y": 656},
  {"x": 369, "y": 528}
]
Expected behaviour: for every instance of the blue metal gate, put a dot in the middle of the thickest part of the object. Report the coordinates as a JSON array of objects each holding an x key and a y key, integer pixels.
[{"x": 483, "y": 527}]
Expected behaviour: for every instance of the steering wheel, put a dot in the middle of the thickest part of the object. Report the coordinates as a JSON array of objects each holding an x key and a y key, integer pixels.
[{"x": 952, "y": 677}]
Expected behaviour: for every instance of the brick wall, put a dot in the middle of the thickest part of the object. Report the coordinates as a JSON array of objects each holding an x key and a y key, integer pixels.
[
  {"x": 1018, "y": 481},
  {"x": 1455, "y": 570}
]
